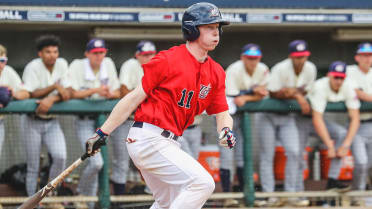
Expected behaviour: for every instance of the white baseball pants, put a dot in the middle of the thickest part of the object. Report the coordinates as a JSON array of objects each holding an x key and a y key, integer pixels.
[{"x": 176, "y": 179}]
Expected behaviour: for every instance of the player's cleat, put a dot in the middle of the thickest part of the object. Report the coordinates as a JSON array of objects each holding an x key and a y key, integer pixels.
[
  {"x": 81, "y": 205},
  {"x": 357, "y": 201},
  {"x": 298, "y": 202},
  {"x": 274, "y": 202},
  {"x": 337, "y": 186},
  {"x": 230, "y": 203}
]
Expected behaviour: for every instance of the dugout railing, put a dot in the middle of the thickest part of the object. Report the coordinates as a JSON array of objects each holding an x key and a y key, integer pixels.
[{"x": 102, "y": 107}]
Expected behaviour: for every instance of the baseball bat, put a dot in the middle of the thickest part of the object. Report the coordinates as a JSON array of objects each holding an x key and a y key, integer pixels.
[{"x": 34, "y": 200}]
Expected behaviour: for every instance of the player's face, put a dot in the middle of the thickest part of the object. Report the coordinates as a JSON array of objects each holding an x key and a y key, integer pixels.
[
  {"x": 298, "y": 62},
  {"x": 364, "y": 60},
  {"x": 250, "y": 63},
  {"x": 336, "y": 82},
  {"x": 209, "y": 36},
  {"x": 95, "y": 58},
  {"x": 3, "y": 61},
  {"x": 144, "y": 58},
  {"x": 49, "y": 55}
]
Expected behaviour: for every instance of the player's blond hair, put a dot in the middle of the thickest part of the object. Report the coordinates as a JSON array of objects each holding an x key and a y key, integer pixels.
[{"x": 3, "y": 51}]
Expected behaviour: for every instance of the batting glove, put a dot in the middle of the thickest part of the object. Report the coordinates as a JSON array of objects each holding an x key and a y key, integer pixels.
[
  {"x": 96, "y": 142},
  {"x": 227, "y": 138}
]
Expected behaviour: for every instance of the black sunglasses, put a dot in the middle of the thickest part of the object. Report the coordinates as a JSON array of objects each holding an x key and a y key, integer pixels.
[{"x": 3, "y": 59}]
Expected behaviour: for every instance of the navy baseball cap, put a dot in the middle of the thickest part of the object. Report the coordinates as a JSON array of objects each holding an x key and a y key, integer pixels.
[
  {"x": 364, "y": 48},
  {"x": 146, "y": 47},
  {"x": 298, "y": 48},
  {"x": 338, "y": 69},
  {"x": 251, "y": 50},
  {"x": 96, "y": 45}
]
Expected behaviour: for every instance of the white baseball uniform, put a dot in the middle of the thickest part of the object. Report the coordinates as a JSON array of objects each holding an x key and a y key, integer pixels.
[
  {"x": 362, "y": 81},
  {"x": 282, "y": 126},
  {"x": 9, "y": 78},
  {"x": 237, "y": 79},
  {"x": 319, "y": 96},
  {"x": 82, "y": 77},
  {"x": 45, "y": 129}
]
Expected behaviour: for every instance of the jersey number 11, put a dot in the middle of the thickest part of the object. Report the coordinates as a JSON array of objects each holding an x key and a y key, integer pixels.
[{"x": 181, "y": 103}]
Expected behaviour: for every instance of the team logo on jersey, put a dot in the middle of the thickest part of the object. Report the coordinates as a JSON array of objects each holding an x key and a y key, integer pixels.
[
  {"x": 214, "y": 13},
  {"x": 204, "y": 90}
]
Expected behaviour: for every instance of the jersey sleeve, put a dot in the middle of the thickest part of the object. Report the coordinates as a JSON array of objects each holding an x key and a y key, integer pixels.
[
  {"x": 113, "y": 75},
  {"x": 318, "y": 98},
  {"x": 312, "y": 76},
  {"x": 219, "y": 103},
  {"x": 154, "y": 72},
  {"x": 266, "y": 76},
  {"x": 274, "y": 83},
  {"x": 232, "y": 88},
  {"x": 73, "y": 76},
  {"x": 65, "y": 80},
  {"x": 30, "y": 78},
  {"x": 126, "y": 75},
  {"x": 351, "y": 98}
]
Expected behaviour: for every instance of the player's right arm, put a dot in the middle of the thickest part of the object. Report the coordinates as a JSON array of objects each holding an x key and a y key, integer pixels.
[{"x": 123, "y": 109}]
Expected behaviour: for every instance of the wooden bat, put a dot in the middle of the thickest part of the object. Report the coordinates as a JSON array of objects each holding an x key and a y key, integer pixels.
[{"x": 34, "y": 200}]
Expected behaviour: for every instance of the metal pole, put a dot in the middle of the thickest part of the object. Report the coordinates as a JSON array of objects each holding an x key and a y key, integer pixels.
[
  {"x": 249, "y": 195},
  {"x": 103, "y": 178}
]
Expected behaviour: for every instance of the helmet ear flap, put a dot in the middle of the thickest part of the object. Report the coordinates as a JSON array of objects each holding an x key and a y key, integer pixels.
[
  {"x": 190, "y": 31},
  {"x": 220, "y": 30}
]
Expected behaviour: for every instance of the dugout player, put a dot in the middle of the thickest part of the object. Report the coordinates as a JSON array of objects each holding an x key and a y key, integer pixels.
[
  {"x": 94, "y": 77},
  {"x": 338, "y": 139},
  {"x": 131, "y": 73},
  {"x": 46, "y": 79},
  {"x": 246, "y": 81},
  {"x": 289, "y": 79},
  {"x": 361, "y": 77},
  {"x": 13, "y": 83},
  {"x": 178, "y": 84}
]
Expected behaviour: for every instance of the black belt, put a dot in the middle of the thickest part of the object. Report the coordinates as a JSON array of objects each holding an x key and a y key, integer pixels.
[
  {"x": 87, "y": 117},
  {"x": 366, "y": 121},
  {"x": 192, "y": 126},
  {"x": 165, "y": 133},
  {"x": 36, "y": 117}
]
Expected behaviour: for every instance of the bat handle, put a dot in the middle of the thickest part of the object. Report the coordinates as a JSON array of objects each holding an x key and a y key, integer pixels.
[{"x": 85, "y": 156}]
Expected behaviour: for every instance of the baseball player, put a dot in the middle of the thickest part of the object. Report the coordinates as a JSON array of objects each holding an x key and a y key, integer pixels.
[
  {"x": 131, "y": 73},
  {"x": 360, "y": 75},
  {"x": 178, "y": 84},
  {"x": 337, "y": 138},
  {"x": 246, "y": 81},
  {"x": 94, "y": 77},
  {"x": 289, "y": 79},
  {"x": 11, "y": 86},
  {"x": 46, "y": 79}
]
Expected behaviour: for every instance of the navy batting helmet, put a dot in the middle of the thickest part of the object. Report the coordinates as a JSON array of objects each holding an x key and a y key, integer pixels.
[{"x": 202, "y": 13}]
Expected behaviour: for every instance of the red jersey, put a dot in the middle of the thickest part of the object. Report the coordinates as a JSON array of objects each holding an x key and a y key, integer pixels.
[{"x": 178, "y": 87}]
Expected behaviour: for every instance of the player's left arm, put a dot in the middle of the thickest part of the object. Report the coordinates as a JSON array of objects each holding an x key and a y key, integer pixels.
[
  {"x": 224, "y": 119},
  {"x": 21, "y": 94},
  {"x": 226, "y": 136}
]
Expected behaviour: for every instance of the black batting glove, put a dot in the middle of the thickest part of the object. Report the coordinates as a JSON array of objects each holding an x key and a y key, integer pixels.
[{"x": 95, "y": 142}]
